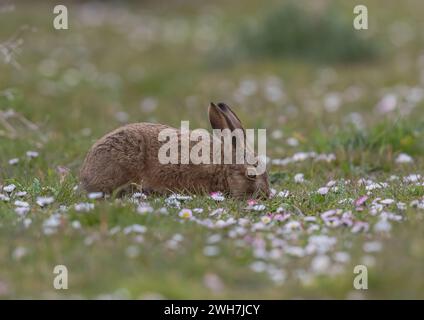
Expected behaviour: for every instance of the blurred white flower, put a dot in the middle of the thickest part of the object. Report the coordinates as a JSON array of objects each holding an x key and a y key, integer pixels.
[
  {"x": 211, "y": 251},
  {"x": 13, "y": 161},
  {"x": 95, "y": 195},
  {"x": 44, "y": 201},
  {"x": 213, "y": 282},
  {"x": 84, "y": 206},
  {"x": 217, "y": 196},
  {"x": 373, "y": 246},
  {"x": 283, "y": 194},
  {"x": 292, "y": 142},
  {"x": 342, "y": 257},
  {"x": 21, "y": 210},
  {"x": 185, "y": 214},
  {"x": 4, "y": 198},
  {"x": 19, "y": 253},
  {"x": 9, "y": 188},
  {"x": 258, "y": 207},
  {"x": 32, "y": 154},
  {"x": 382, "y": 226},
  {"x": 19, "y": 203},
  {"x": 122, "y": 116},
  {"x": 76, "y": 224},
  {"x": 214, "y": 238},
  {"x": 299, "y": 178},
  {"x": 387, "y": 104},
  {"x": 135, "y": 228},
  {"x": 277, "y": 134},
  {"x": 148, "y": 104},
  {"x": 323, "y": 190},
  {"x": 266, "y": 219},
  {"x": 132, "y": 251},
  {"x": 320, "y": 264},
  {"x": 332, "y": 102},
  {"x": 144, "y": 208},
  {"x": 404, "y": 158},
  {"x": 258, "y": 266},
  {"x": 412, "y": 178}
]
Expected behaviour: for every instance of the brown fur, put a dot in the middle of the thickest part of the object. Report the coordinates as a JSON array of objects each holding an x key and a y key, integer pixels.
[{"x": 130, "y": 155}]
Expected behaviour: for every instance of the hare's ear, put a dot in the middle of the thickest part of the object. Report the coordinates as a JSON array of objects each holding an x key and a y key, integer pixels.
[
  {"x": 233, "y": 121},
  {"x": 216, "y": 117}
]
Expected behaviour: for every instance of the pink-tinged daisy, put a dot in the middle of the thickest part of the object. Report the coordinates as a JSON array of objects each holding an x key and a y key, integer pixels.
[
  {"x": 360, "y": 226},
  {"x": 217, "y": 196},
  {"x": 251, "y": 202},
  {"x": 281, "y": 217},
  {"x": 185, "y": 214},
  {"x": 360, "y": 201}
]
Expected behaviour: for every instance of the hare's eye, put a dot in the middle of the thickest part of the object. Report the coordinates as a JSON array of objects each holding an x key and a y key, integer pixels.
[{"x": 251, "y": 173}]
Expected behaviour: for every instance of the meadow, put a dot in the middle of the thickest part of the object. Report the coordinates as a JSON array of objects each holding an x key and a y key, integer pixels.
[{"x": 345, "y": 142}]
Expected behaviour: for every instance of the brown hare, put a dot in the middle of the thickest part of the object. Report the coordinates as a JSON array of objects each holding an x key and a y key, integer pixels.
[{"x": 129, "y": 155}]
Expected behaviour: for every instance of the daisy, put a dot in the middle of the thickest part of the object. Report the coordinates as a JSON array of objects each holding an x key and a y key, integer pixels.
[
  {"x": 299, "y": 178},
  {"x": 404, "y": 158},
  {"x": 44, "y": 201},
  {"x": 266, "y": 219},
  {"x": 323, "y": 191},
  {"x": 32, "y": 154},
  {"x": 95, "y": 195},
  {"x": 13, "y": 161},
  {"x": 4, "y": 198},
  {"x": 185, "y": 213},
  {"x": 217, "y": 196},
  {"x": 9, "y": 188},
  {"x": 84, "y": 206}
]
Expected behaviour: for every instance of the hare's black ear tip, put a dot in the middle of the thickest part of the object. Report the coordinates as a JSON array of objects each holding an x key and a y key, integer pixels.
[{"x": 223, "y": 106}]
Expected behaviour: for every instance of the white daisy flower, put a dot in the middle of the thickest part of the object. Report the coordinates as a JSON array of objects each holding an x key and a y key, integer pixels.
[
  {"x": 404, "y": 158},
  {"x": 44, "y": 201},
  {"x": 9, "y": 188},
  {"x": 13, "y": 161},
  {"x": 95, "y": 195},
  {"x": 323, "y": 191},
  {"x": 185, "y": 213},
  {"x": 299, "y": 178},
  {"x": 32, "y": 154}
]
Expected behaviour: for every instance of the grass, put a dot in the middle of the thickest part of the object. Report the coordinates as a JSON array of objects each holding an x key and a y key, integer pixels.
[
  {"x": 146, "y": 64},
  {"x": 290, "y": 31}
]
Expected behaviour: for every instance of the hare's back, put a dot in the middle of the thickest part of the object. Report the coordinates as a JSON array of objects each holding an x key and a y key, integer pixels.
[{"x": 120, "y": 156}]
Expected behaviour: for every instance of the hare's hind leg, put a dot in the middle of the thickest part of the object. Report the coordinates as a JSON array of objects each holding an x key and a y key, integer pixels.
[{"x": 105, "y": 175}]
